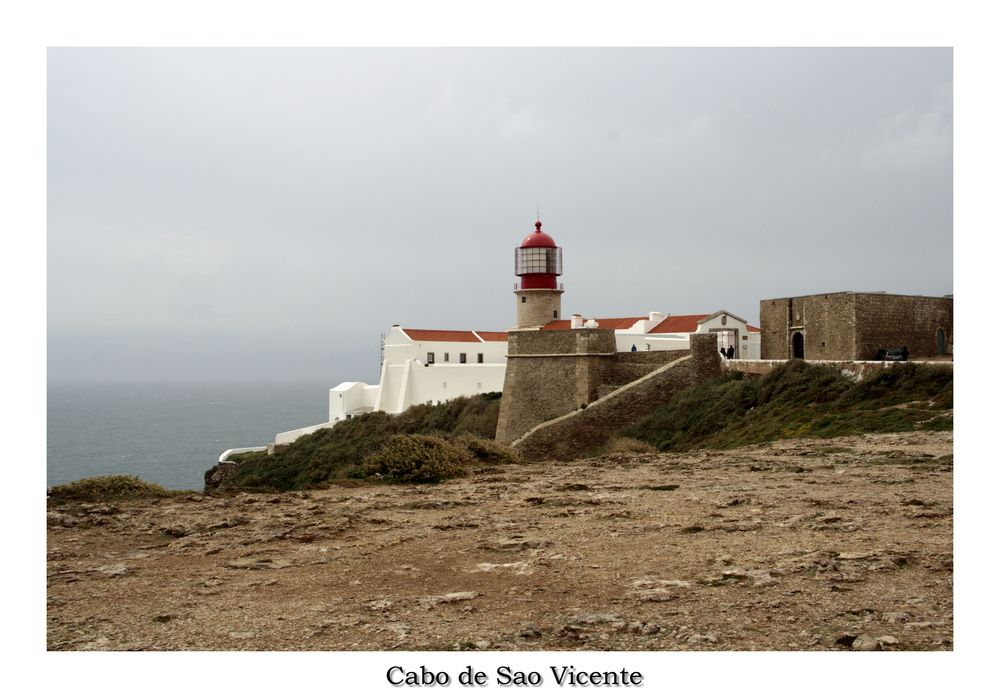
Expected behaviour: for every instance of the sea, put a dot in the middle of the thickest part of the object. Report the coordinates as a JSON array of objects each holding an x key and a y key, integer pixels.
[{"x": 168, "y": 433}]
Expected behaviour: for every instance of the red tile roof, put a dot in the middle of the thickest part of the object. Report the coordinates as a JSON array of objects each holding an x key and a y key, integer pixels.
[
  {"x": 492, "y": 336},
  {"x": 441, "y": 335},
  {"x": 751, "y": 328},
  {"x": 613, "y": 323},
  {"x": 678, "y": 323}
]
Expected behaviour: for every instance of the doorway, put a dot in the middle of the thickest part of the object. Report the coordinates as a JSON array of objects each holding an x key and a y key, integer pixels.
[
  {"x": 798, "y": 346},
  {"x": 940, "y": 342}
]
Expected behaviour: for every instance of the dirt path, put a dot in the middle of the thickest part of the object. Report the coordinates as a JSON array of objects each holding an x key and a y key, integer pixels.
[{"x": 804, "y": 544}]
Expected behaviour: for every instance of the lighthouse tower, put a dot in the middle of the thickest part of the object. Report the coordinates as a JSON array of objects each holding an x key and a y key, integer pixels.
[{"x": 537, "y": 261}]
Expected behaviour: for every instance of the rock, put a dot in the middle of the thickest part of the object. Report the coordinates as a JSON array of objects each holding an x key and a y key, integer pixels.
[
  {"x": 866, "y": 643},
  {"x": 513, "y": 544},
  {"x": 482, "y": 645},
  {"x": 650, "y": 583},
  {"x": 896, "y": 617},
  {"x": 379, "y": 605},
  {"x": 519, "y": 567},
  {"x": 595, "y": 618},
  {"x": 115, "y": 570},
  {"x": 654, "y": 595},
  {"x": 696, "y": 639},
  {"x": 215, "y": 478},
  {"x": 453, "y": 597},
  {"x": 530, "y": 632},
  {"x": 845, "y": 639},
  {"x": 250, "y": 563}
]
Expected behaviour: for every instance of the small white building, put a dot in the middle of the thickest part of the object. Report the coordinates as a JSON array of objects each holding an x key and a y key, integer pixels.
[
  {"x": 659, "y": 332},
  {"x": 420, "y": 366}
]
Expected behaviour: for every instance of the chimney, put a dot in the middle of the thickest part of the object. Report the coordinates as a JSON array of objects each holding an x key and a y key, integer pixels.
[{"x": 575, "y": 321}]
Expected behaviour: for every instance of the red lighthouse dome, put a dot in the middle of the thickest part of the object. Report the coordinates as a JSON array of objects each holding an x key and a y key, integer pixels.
[
  {"x": 538, "y": 261},
  {"x": 538, "y": 238}
]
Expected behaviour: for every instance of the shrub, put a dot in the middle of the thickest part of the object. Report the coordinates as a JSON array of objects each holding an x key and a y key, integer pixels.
[
  {"x": 417, "y": 458},
  {"x": 107, "y": 487},
  {"x": 486, "y": 450},
  {"x": 330, "y": 454}
]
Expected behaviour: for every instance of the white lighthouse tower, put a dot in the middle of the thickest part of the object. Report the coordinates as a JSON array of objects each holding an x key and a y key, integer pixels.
[{"x": 538, "y": 261}]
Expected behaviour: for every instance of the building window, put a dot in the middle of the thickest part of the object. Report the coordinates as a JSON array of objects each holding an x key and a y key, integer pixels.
[
  {"x": 446, "y": 355},
  {"x": 430, "y": 358},
  {"x": 524, "y": 299},
  {"x": 555, "y": 314},
  {"x": 479, "y": 358},
  {"x": 744, "y": 339},
  {"x": 461, "y": 358}
]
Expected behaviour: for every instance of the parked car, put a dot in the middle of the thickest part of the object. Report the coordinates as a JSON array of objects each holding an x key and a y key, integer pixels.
[{"x": 897, "y": 354}]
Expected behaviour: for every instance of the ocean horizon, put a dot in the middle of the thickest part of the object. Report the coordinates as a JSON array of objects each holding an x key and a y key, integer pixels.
[{"x": 168, "y": 433}]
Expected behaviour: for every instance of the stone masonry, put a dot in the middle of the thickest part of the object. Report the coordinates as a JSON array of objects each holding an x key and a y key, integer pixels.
[
  {"x": 538, "y": 306},
  {"x": 575, "y": 434},
  {"x": 855, "y": 326},
  {"x": 553, "y": 372}
]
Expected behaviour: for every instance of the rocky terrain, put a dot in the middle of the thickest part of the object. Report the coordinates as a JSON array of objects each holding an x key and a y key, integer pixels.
[{"x": 834, "y": 544}]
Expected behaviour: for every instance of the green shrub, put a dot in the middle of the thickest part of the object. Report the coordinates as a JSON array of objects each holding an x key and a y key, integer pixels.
[
  {"x": 417, "y": 458},
  {"x": 107, "y": 487},
  {"x": 799, "y": 399},
  {"x": 486, "y": 450},
  {"x": 334, "y": 453}
]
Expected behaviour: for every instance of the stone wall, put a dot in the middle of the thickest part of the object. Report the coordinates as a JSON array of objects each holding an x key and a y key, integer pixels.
[
  {"x": 853, "y": 326},
  {"x": 583, "y": 430},
  {"x": 895, "y": 321},
  {"x": 550, "y": 373},
  {"x": 859, "y": 370},
  {"x": 630, "y": 366},
  {"x": 553, "y": 372}
]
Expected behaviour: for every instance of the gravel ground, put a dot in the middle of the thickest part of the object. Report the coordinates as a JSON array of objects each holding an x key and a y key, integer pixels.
[{"x": 835, "y": 544}]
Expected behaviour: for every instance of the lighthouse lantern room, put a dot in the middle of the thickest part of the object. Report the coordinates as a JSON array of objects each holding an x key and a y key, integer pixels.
[{"x": 537, "y": 261}]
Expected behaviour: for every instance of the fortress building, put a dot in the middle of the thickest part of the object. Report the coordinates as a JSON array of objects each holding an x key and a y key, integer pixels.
[{"x": 856, "y": 326}]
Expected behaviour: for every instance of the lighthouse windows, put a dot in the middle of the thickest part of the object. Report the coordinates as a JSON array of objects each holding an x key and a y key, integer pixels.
[
  {"x": 524, "y": 299},
  {"x": 555, "y": 314}
]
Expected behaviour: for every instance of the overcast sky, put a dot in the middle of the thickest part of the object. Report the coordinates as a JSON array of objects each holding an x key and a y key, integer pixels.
[{"x": 266, "y": 214}]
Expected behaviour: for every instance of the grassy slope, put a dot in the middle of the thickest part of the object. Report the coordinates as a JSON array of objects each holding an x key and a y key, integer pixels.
[
  {"x": 799, "y": 399},
  {"x": 329, "y": 454}
]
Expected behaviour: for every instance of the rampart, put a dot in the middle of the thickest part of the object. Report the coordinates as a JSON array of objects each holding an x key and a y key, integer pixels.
[
  {"x": 574, "y": 434},
  {"x": 859, "y": 370},
  {"x": 553, "y": 372}
]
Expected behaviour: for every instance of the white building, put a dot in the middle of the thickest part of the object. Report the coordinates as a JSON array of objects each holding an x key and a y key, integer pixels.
[
  {"x": 657, "y": 332},
  {"x": 420, "y": 366}
]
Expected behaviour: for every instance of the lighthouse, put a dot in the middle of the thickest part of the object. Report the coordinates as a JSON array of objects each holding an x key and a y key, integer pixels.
[{"x": 537, "y": 263}]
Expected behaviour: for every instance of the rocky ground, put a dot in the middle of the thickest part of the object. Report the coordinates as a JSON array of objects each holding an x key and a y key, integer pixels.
[{"x": 800, "y": 545}]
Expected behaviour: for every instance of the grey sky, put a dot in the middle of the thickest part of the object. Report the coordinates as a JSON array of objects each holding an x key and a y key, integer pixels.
[{"x": 265, "y": 214}]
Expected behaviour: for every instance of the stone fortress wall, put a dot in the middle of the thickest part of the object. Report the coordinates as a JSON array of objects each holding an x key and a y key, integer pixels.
[
  {"x": 854, "y": 326},
  {"x": 581, "y": 430},
  {"x": 553, "y": 372}
]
